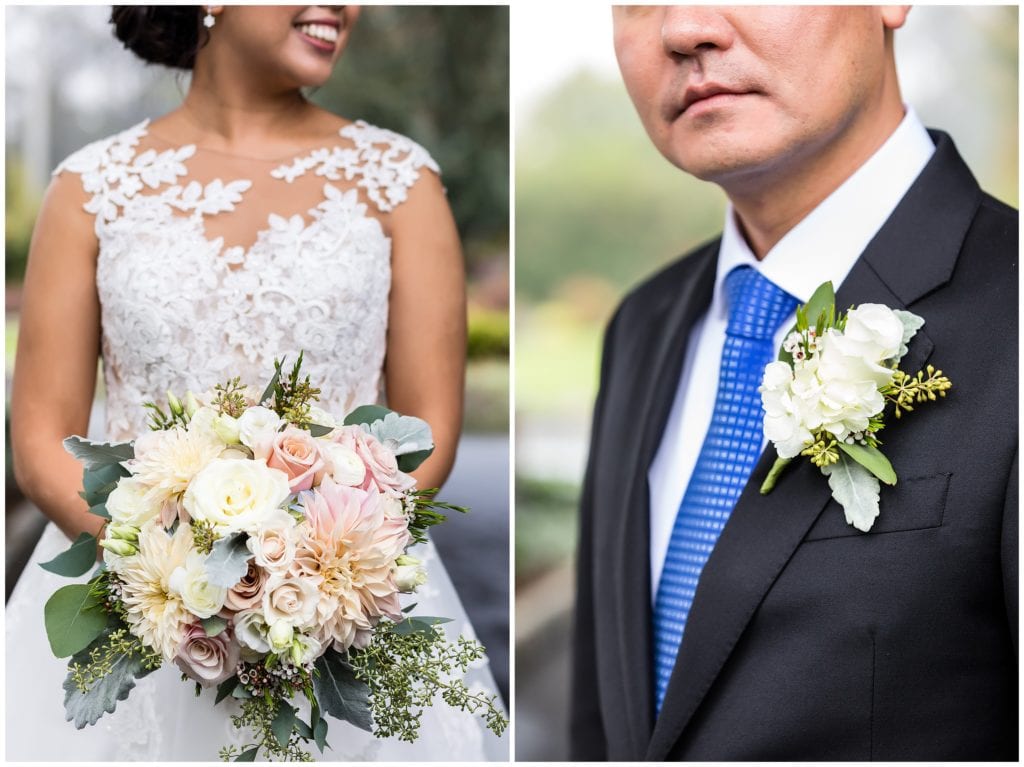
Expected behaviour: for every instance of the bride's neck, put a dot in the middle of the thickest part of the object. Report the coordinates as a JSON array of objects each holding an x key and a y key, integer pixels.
[{"x": 238, "y": 111}]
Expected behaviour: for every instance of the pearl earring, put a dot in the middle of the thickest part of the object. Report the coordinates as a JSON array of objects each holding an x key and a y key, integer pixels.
[{"x": 208, "y": 19}]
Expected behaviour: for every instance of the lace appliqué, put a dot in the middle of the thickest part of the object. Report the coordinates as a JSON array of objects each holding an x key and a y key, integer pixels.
[
  {"x": 181, "y": 311},
  {"x": 386, "y": 173}
]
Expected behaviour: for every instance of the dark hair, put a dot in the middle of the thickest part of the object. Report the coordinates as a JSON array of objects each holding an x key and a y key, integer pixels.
[{"x": 160, "y": 34}]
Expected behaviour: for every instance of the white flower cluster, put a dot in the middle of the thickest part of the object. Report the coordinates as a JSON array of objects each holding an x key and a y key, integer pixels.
[
  {"x": 318, "y": 524},
  {"x": 834, "y": 381}
]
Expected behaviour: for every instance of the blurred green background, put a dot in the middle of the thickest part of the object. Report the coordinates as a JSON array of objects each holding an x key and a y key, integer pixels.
[
  {"x": 597, "y": 210},
  {"x": 439, "y": 74}
]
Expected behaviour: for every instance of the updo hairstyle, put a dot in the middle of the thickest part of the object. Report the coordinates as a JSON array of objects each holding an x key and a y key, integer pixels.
[{"x": 160, "y": 34}]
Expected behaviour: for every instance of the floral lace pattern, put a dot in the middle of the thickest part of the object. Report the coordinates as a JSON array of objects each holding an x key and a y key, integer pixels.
[{"x": 181, "y": 311}]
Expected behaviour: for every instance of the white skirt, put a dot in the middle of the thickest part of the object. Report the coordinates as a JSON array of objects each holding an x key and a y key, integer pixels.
[{"x": 162, "y": 720}]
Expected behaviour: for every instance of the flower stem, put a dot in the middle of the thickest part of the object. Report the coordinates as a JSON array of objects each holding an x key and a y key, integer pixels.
[{"x": 773, "y": 475}]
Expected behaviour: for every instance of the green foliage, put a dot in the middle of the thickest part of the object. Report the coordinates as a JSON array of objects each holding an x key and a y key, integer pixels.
[
  {"x": 74, "y": 617},
  {"x": 438, "y": 74},
  {"x": 228, "y": 561},
  {"x": 76, "y": 560},
  {"x": 292, "y": 395},
  {"x": 104, "y": 673},
  {"x": 906, "y": 390},
  {"x": 488, "y": 334},
  {"x": 96, "y": 455},
  {"x": 406, "y": 670},
  {"x": 593, "y": 197},
  {"x": 426, "y": 512},
  {"x": 340, "y": 693},
  {"x": 871, "y": 458}
]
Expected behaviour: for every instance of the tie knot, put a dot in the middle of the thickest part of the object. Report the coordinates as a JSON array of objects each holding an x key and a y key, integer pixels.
[{"x": 757, "y": 306}]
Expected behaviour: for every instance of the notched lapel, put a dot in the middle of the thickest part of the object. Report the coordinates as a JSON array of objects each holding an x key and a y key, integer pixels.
[{"x": 665, "y": 350}]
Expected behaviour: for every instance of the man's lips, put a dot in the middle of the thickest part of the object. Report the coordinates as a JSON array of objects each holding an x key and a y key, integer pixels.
[{"x": 694, "y": 95}]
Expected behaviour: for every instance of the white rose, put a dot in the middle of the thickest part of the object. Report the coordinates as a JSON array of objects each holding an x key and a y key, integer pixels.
[
  {"x": 877, "y": 329},
  {"x": 251, "y": 630},
  {"x": 290, "y": 598},
  {"x": 849, "y": 394},
  {"x": 280, "y": 635},
  {"x": 235, "y": 495},
  {"x": 343, "y": 464},
  {"x": 273, "y": 544},
  {"x": 257, "y": 427},
  {"x": 200, "y": 597},
  {"x": 130, "y": 503}
]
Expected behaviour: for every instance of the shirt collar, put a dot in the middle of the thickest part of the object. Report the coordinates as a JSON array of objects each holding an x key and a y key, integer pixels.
[{"x": 827, "y": 242}]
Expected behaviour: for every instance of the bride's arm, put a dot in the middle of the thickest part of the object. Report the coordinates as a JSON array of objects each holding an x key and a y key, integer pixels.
[
  {"x": 426, "y": 347},
  {"x": 58, "y": 347}
]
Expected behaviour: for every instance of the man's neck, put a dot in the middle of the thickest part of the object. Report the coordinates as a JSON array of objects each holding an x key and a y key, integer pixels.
[{"x": 769, "y": 206}]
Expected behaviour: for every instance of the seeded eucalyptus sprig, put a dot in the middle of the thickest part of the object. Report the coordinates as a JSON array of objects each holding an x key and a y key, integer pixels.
[{"x": 289, "y": 396}]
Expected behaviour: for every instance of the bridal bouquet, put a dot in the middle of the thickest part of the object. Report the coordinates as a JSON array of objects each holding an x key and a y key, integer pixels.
[{"x": 260, "y": 546}]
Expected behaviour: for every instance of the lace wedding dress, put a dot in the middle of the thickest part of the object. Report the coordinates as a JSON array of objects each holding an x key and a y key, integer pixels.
[{"x": 190, "y": 298}]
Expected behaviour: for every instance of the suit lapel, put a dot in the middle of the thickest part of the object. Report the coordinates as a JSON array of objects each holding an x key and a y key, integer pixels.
[
  {"x": 666, "y": 349},
  {"x": 913, "y": 254}
]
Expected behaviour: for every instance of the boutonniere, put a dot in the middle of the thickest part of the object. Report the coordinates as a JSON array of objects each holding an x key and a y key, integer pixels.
[{"x": 826, "y": 396}]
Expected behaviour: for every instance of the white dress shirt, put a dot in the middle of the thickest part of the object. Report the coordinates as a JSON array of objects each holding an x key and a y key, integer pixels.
[{"x": 822, "y": 247}]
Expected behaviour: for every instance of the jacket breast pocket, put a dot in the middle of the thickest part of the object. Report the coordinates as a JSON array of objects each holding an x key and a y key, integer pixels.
[{"x": 914, "y": 503}]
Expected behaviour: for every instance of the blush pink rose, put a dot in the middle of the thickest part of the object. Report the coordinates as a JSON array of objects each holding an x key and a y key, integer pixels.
[
  {"x": 208, "y": 660},
  {"x": 296, "y": 453},
  {"x": 248, "y": 591},
  {"x": 382, "y": 466}
]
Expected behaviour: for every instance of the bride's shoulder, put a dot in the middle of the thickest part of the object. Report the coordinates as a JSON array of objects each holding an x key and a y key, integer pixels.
[
  {"x": 118, "y": 148},
  {"x": 386, "y": 163}
]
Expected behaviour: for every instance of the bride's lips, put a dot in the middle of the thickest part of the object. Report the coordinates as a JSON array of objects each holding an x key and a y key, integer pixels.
[{"x": 317, "y": 33}]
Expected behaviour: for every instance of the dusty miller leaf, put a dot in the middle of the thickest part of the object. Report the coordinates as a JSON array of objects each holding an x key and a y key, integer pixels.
[
  {"x": 228, "y": 561},
  {"x": 911, "y": 324},
  {"x": 339, "y": 692},
  {"x": 95, "y": 455},
  {"x": 856, "y": 490}
]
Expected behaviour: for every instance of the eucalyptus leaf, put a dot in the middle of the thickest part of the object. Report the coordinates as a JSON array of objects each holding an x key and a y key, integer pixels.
[
  {"x": 228, "y": 561},
  {"x": 214, "y": 625},
  {"x": 316, "y": 430},
  {"x": 340, "y": 694},
  {"x": 225, "y": 688},
  {"x": 95, "y": 455},
  {"x": 283, "y": 723},
  {"x": 911, "y": 324},
  {"x": 823, "y": 299},
  {"x": 366, "y": 414},
  {"x": 411, "y": 461},
  {"x": 420, "y": 624},
  {"x": 249, "y": 755},
  {"x": 98, "y": 483},
  {"x": 100, "y": 510},
  {"x": 86, "y": 708},
  {"x": 241, "y": 693},
  {"x": 320, "y": 734},
  {"x": 76, "y": 560},
  {"x": 856, "y": 490},
  {"x": 304, "y": 730},
  {"x": 871, "y": 458},
  {"x": 74, "y": 617}
]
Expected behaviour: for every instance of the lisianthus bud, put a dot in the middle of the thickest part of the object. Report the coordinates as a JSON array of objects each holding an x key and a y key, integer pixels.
[
  {"x": 123, "y": 532},
  {"x": 226, "y": 428},
  {"x": 280, "y": 635},
  {"x": 191, "y": 404},
  {"x": 119, "y": 547},
  {"x": 174, "y": 403},
  {"x": 408, "y": 573}
]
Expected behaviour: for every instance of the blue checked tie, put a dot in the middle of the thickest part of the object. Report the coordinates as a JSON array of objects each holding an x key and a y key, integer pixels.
[{"x": 757, "y": 308}]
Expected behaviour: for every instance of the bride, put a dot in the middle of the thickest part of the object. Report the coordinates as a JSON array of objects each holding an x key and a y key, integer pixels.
[{"x": 247, "y": 224}]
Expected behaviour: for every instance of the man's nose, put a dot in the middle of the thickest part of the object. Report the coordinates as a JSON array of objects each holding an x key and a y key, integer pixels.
[{"x": 689, "y": 30}]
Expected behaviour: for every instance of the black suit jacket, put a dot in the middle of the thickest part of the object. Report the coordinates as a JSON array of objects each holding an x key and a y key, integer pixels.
[{"x": 808, "y": 639}]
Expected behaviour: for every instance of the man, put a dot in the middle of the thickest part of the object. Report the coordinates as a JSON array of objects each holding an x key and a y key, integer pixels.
[{"x": 717, "y": 623}]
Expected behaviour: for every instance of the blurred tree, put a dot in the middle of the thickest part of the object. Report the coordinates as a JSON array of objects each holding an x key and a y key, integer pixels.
[{"x": 439, "y": 74}]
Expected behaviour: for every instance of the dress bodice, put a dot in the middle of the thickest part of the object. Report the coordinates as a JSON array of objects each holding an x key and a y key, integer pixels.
[{"x": 183, "y": 308}]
